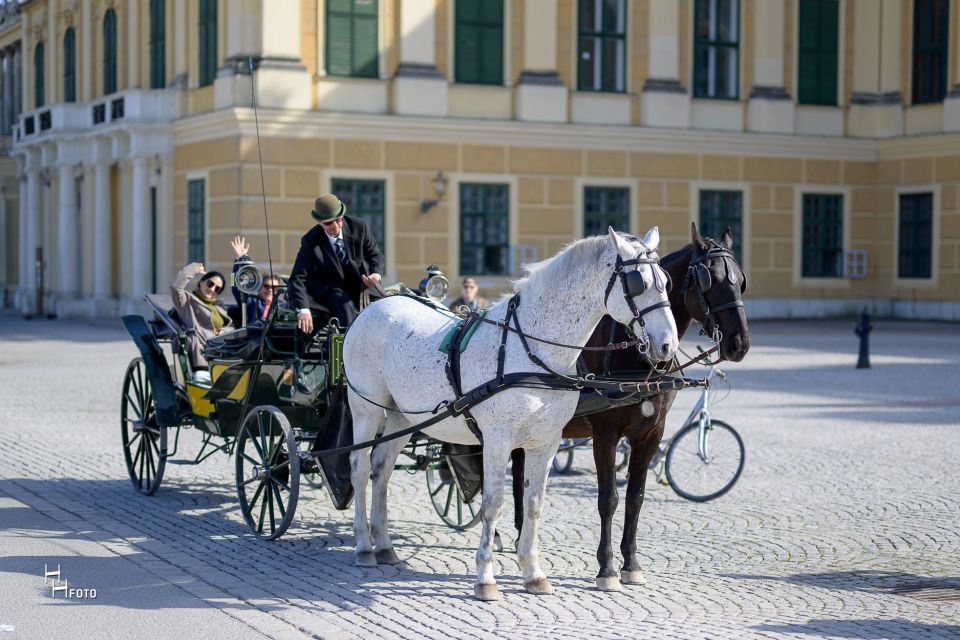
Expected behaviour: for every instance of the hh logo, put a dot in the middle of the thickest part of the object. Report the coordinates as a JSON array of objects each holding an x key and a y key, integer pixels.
[{"x": 52, "y": 577}]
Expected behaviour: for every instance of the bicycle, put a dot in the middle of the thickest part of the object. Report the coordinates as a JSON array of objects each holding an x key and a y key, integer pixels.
[{"x": 704, "y": 459}]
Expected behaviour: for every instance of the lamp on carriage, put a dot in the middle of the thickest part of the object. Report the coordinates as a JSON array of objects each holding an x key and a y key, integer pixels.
[{"x": 439, "y": 187}]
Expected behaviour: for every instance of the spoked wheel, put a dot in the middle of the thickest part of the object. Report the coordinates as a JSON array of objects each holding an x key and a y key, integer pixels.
[
  {"x": 268, "y": 472},
  {"x": 623, "y": 454},
  {"x": 701, "y": 478},
  {"x": 563, "y": 461},
  {"x": 144, "y": 440},
  {"x": 448, "y": 499}
]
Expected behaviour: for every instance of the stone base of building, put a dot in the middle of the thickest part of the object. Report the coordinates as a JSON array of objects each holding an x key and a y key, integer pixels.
[{"x": 801, "y": 308}]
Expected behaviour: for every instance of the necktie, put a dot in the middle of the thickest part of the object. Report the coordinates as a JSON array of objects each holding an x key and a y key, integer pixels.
[{"x": 341, "y": 251}]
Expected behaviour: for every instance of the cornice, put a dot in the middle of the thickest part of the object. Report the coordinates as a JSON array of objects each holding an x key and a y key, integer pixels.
[{"x": 316, "y": 124}]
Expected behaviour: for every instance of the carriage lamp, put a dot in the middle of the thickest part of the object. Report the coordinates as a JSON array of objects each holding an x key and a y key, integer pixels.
[
  {"x": 248, "y": 279},
  {"x": 436, "y": 286},
  {"x": 440, "y": 187}
]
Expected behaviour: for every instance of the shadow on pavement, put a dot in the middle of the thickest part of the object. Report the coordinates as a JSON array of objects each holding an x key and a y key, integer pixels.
[{"x": 865, "y": 628}]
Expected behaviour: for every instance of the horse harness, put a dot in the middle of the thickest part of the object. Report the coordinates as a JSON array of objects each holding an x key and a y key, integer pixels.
[{"x": 699, "y": 272}]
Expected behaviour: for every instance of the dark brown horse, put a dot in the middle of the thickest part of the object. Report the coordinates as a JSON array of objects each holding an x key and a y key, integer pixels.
[{"x": 708, "y": 284}]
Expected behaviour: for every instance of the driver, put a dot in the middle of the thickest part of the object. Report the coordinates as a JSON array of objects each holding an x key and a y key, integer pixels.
[{"x": 337, "y": 260}]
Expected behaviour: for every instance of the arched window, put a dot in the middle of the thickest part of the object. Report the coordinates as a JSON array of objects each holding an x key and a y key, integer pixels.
[
  {"x": 109, "y": 52},
  {"x": 208, "y": 41},
  {"x": 69, "y": 66},
  {"x": 38, "y": 76},
  {"x": 158, "y": 46}
]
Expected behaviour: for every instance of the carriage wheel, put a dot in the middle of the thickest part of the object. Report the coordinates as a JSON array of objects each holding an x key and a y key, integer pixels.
[
  {"x": 144, "y": 440},
  {"x": 268, "y": 472},
  {"x": 563, "y": 460},
  {"x": 447, "y": 497}
]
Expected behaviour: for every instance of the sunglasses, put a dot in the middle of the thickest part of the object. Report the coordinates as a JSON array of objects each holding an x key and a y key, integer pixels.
[{"x": 210, "y": 285}]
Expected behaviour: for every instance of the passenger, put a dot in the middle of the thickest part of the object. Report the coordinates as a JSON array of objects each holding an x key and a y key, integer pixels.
[
  {"x": 201, "y": 312},
  {"x": 258, "y": 308},
  {"x": 337, "y": 260},
  {"x": 468, "y": 297}
]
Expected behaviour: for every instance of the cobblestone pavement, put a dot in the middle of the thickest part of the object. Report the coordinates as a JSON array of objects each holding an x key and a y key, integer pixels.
[{"x": 844, "y": 524}]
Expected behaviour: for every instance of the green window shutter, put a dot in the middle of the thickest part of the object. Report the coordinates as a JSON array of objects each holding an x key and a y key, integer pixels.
[
  {"x": 915, "y": 237},
  {"x": 69, "y": 66},
  {"x": 719, "y": 210},
  {"x": 479, "y": 42},
  {"x": 158, "y": 28},
  {"x": 365, "y": 199},
  {"x": 110, "y": 52},
  {"x": 38, "y": 92},
  {"x": 352, "y": 39},
  {"x": 208, "y": 41},
  {"x": 818, "y": 51},
  {"x": 605, "y": 207},
  {"x": 822, "y": 231},
  {"x": 196, "y": 220}
]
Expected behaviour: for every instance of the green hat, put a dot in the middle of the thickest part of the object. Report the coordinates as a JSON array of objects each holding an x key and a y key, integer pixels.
[{"x": 327, "y": 208}]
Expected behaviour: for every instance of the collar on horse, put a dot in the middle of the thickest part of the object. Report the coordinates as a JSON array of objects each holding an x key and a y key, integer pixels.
[{"x": 698, "y": 271}]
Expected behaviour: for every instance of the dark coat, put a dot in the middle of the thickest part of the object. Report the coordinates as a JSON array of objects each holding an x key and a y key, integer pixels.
[{"x": 317, "y": 269}]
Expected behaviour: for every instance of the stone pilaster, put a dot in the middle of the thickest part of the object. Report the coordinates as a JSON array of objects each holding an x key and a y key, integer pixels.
[
  {"x": 540, "y": 94},
  {"x": 876, "y": 106},
  {"x": 418, "y": 87},
  {"x": 664, "y": 102}
]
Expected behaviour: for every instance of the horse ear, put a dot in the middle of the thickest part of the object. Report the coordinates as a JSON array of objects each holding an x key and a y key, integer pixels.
[
  {"x": 726, "y": 239},
  {"x": 652, "y": 239},
  {"x": 696, "y": 239},
  {"x": 618, "y": 242}
]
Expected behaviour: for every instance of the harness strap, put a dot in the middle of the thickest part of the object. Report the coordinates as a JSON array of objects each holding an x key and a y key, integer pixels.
[{"x": 452, "y": 369}]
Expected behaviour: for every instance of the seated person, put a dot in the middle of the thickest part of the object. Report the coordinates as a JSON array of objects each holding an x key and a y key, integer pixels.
[
  {"x": 200, "y": 311},
  {"x": 337, "y": 260},
  {"x": 257, "y": 308},
  {"x": 468, "y": 297}
]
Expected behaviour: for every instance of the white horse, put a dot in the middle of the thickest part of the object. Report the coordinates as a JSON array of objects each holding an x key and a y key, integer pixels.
[{"x": 391, "y": 357}]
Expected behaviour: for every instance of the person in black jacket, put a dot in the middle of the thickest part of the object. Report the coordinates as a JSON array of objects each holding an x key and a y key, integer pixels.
[{"x": 337, "y": 260}]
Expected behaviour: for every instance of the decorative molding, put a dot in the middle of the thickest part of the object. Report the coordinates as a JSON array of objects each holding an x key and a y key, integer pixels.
[
  {"x": 543, "y": 78},
  {"x": 419, "y": 71},
  {"x": 872, "y": 99},
  {"x": 769, "y": 93},
  {"x": 663, "y": 85},
  {"x": 239, "y": 65}
]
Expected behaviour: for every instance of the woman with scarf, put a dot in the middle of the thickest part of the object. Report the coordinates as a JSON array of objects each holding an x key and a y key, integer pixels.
[{"x": 199, "y": 310}]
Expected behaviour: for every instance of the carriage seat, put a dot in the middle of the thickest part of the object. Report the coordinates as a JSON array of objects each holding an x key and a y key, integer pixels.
[{"x": 166, "y": 319}]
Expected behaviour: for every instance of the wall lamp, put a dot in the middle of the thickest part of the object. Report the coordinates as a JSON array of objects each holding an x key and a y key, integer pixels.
[{"x": 440, "y": 187}]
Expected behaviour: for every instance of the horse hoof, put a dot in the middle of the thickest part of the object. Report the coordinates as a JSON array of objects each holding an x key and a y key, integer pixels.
[
  {"x": 632, "y": 577},
  {"x": 365, "y": 559},
  {"x": 486, "y": 592},
  {"x": 539, "y": 587},
  {"x": 609, "y": 583},
  {"x": 497, "y": 543},
  {"x": 387, "y": 556}
]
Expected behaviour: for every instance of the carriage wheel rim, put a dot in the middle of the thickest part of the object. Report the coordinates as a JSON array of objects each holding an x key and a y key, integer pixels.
[{"x": 141, "y": 436}]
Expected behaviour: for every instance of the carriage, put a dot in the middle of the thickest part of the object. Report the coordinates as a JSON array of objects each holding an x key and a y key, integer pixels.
[{"x": 274, "y": 396}]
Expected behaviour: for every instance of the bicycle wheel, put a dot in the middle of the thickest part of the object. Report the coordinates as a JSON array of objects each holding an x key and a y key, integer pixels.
[
  {"x": 623, "y": 454},
  {"x": 701, "y": 480},
  {"x": 563, "y": 461}
]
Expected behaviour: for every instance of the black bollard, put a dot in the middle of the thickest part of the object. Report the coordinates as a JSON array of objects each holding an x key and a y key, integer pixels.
[{"x": 863, "y": 330}]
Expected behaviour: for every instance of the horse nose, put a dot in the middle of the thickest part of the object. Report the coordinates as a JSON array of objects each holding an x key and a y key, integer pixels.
[
  {"x": 737, "y": 348},
  {"x": 664, "y": 350}
]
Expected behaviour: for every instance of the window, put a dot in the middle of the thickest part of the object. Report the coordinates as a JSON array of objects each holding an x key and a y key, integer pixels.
[
  {"x": 602, "y": 45},
  {"x": 364, "y": 199},
  {"x": 822, "y": 236},
  {"x": 605, "y": 207},
  {"x": 819, "y": 35},
  {"x": 208, "y": 41},
  {"x": 914, "y": 248},
  {"x": 484, "y": 229},
  {"x": 930, "y": 29},
  {"x": 719, "y": 210},
  {"x": 69, "y": 66},
  {"x": 716, "y": 54},
  {"x": 196, "y": 220},
  {"x": 479, "y": 41},
  {"x": 110, "y": 52},
  {"x": 38, "y": 76},
  {"x": 158, "y": 46},
  {"x": 352, "y": 38}
]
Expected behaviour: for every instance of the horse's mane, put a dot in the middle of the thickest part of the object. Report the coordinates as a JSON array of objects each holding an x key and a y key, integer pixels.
[{"x": 585, "y": 250}]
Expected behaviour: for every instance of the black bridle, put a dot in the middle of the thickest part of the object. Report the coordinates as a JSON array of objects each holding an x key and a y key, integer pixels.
[
  {"x": 633, "y": 286},
  {"x": 698, "y": 271}
]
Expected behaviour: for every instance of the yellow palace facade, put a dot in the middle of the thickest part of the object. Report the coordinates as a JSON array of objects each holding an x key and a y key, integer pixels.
[{"x": 479, "y": 134}]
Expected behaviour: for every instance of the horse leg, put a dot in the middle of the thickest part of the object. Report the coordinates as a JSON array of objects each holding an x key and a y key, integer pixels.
[
  {"x": 605, "y": 455},
  {"x": 366, "y": 419},
  {"x": 537, "y": 466},
  {"x": 517, "y": 457},
  {"x": 384, "y": 458},
  {"x": 642, "y": 450},
  {"x": 494, "y": 471}
]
